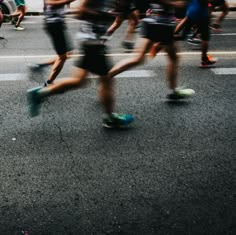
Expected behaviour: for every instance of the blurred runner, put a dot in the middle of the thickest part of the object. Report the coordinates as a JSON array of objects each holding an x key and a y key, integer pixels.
[
  {"x": 197, "y": 15},
  {"x": 54, "y": 11},
  {"x": 158, "y": 28},
  {"x": 127, "y": 11},
  {"x": 223, "y": 6},
  {"x": 95, "y": 20},
  {"x": 19, "y": 14}
]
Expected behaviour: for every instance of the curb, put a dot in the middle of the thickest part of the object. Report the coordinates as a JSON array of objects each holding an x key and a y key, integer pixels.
[{"x": 34, "y": 13}]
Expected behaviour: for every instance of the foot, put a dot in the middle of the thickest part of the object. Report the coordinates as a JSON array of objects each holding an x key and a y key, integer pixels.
[
  {"x": 19, "y": 28},
  {"x": 7, "y": 18},
  {"x": 194, "y": 41},
  {"x": 216, "y": 27},
  {"x": 35, "y": 72},
  {"x": 128, "y": 45},
  {"x": 34, "y": 101},
  {"x": 208, "y": 62},
  {"x": 116, "y": 120},
  {"x": 180, "y": 93}
]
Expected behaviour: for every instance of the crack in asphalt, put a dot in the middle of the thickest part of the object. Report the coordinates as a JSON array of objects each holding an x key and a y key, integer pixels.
[
  {"x": 68, "y": 150},
  {"x": 70, "y": 154}
]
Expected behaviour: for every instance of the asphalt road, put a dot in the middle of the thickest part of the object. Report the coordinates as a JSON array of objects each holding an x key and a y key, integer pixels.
[{"x": 171, "y": 172}]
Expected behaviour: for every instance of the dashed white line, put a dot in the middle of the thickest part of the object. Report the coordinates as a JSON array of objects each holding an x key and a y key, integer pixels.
[
  {"x": 115, "y": 54},
  {"x": 130, "y": 73},
  {"x": 224, "y": 71},
  {"x": 13, "y": 77}
]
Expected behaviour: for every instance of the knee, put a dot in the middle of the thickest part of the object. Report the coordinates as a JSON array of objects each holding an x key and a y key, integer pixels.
[
  {"x": 174, "y": 58},
  {"x": 62, "y": 58}
]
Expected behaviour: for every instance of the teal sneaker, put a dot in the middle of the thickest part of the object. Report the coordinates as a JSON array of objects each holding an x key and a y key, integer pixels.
[
  {"x": 180, "y": 93},
  {"x": 118, "y": 120},
  {"x": 34, "y": 101}
]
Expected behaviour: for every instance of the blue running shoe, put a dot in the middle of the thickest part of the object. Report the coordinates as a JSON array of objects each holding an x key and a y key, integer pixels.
[
  {"x": 116, "y": 120},
  {"x": 34, "y": 101}
]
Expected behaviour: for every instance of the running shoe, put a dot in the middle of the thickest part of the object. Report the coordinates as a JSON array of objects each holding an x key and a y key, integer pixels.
[
  {"x": 216, "y": 27},
  {"x": 180, "y": 93},
  {"x": 36, "y": 72},
  {"x": 7, "y": 18},
  {"x": 208, "y": 62},
  {"x": 128, "y": 46},
  {"x": 35, "y": 67},
  {"x": 194, "y": 41},
  {"x": 34, "y": 101},
  {"x": 19, "y": 28},
  {"x": 116, "y": 120}
]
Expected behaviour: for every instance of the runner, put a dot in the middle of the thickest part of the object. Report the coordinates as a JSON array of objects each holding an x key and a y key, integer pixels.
[
  {"x": 54, "y": 11},
  {"x": 224, "y": 7},
  {"x": 93, "y": 25},
  {"x": 197, "y": 15},
  {"x": 127, "y": 11},
  {"x": 158, "y": 27},
  {"x": 19, "y": 14}
]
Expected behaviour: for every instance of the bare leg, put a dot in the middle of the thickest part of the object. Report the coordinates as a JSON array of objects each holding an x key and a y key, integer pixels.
[
  {"x": 57, "y": 67},
  {"x": 225, "y": 10},
  {"x": 172, "y": 67},
  {"x": 106, "y": 93},
  {"x": 133, "y": 21},
  {"x": 76, "y": 81},
  {"x": 21, "y": 16},
  {"x": 143, "y": 47},
  {"x": 204, "y": 49}
]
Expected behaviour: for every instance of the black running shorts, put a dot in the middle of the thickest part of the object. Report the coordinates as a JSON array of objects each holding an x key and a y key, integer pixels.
[
  {"x": 94, "y": 59},
  {"x": 202, "y": 26},
  {"x": 59, "y": 37},
  {"x": 156, "y": 32},
  {"x": 217, "y": 3}
]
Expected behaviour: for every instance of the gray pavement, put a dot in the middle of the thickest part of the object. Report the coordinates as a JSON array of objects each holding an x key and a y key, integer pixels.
[
  {"x": 172, "y": 172},
  {"x": 37, "y": 5}
]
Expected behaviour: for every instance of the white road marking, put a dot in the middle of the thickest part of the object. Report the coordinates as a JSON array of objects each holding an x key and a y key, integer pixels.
[
  {"x": 134, "y": 74},
  {"x": 115, "y": 54},
  {"x": 224, "y": 34},
  {"x": 130, "y": 73},
  {"x": 13, "y": 77},
  {"x": 224, "y": 71}
]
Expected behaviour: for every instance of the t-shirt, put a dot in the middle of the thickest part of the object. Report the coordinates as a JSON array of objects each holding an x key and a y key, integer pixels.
[{"x": 197, "y": 11}]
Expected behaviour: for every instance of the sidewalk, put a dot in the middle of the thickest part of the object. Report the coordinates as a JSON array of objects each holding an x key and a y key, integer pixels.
[{"x": 35, "y": 7}]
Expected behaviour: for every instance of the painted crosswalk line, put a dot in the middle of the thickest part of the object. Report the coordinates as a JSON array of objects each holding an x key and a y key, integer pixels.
[
  {"x": 13, "y": 77},
  {"x": 224, "y": 71},
  {"x": 131, "y": 73}
]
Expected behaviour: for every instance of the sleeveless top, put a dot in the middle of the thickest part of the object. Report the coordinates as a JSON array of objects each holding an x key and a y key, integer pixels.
[
  {"x": 161, "y": 13},
  {"x": 91, "y": 28},
  {"x": 54, "y": 14}
]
